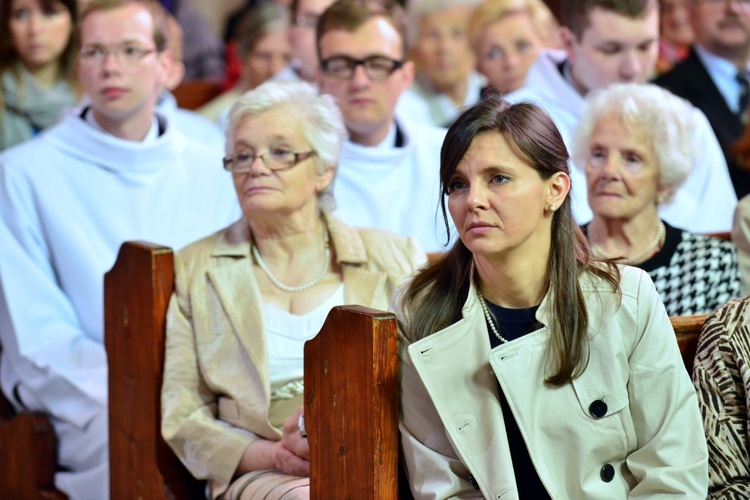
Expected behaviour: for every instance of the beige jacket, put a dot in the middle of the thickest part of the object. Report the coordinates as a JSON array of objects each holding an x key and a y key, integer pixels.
[
  {"x": 452, "y": 425},
  {"x": 216, "y": 391}
]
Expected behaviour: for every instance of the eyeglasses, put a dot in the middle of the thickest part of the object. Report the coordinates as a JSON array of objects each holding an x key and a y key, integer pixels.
[
  {"x": 376, "y": 67},
  {"x": 274, "y": 159},
  {"x": 127, "y": 53}
]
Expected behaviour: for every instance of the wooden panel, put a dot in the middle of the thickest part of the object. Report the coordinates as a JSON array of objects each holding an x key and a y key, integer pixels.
[
  {"x": 136, "y": 296},
  {"x": 688, "y": 330},
  {"x": 351, "y": 405},
  {"x": 27, "y": 460},
  {"x": 195, "y": 93},
  {"x": 723, "y": 235}
]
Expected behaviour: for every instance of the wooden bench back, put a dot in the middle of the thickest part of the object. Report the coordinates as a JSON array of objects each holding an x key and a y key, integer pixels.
[
  {"x": 136, "y": 296},
  {"x": 193, "y": 94},
  {"x": 351, "y": 391},
  {"x": 351, "y": 405}
]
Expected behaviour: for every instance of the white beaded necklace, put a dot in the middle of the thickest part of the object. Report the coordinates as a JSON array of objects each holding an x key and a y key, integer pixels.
[
  {"x": 641, "y": 256},
  {"x": 488, "y": 317},
  {"x": 287, "y": 288}
]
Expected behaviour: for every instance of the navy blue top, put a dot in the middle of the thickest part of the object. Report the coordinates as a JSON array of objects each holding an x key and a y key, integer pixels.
[{"x": 513, "y": 324}]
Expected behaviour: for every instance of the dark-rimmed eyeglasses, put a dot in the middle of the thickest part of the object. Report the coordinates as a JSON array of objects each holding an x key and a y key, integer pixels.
[
  {"x": 273, "y": 159},
  {"x": 127, "y": 53},
  {"x": 376, "y": 67}
]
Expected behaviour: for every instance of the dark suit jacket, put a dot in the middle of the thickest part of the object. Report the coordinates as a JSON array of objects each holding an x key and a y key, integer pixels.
[{"x": 690, "y": 80}]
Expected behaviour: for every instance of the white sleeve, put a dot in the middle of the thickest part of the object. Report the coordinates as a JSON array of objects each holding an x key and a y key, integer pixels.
[
  {"x": 705, "y": 203},
  {"x": 44, "y": 344}
]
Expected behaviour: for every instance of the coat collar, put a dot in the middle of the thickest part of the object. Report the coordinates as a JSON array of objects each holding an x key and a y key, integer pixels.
[
  {"x": 232, "y": 276},
  {"x": 347, "y": 242}
]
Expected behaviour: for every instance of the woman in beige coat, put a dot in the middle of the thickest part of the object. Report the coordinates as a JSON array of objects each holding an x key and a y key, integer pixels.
[
  {"x": 248, "y": 297},
  {"x": 527, "y": 369}
]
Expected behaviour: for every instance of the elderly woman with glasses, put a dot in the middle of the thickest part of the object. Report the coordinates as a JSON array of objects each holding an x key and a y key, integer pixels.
[{"x": 248, "y": 297}]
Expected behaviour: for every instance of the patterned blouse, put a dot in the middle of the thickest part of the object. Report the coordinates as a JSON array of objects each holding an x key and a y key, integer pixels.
[
  {"x": 694, "y": 273},
  {"x": 722, "y": 378}
]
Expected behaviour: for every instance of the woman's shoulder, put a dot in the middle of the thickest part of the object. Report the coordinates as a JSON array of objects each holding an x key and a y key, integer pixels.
[
  {"x": 373, "y": 246},
  {"x": 630, "y": 284},
  {"x": 224, "y": 240}
]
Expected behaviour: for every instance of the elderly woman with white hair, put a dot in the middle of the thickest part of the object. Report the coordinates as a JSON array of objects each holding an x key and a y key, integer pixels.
[
  {"x": 248, "y": 297},
  {"x": 635, "y": 143}
]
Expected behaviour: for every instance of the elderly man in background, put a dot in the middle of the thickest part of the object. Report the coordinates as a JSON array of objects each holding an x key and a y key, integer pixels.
[
  {"x": 113, "y": 171},
  {"x": 446, "y": 80}
]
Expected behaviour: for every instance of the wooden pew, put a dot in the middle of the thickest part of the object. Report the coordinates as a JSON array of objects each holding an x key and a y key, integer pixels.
[
  {"x": 688, "y": 329},
  {"x": 193, "y": 94},
  {"x": 27, "y": 455},
  {"x": 351, "y": 405},
  {"x": 351, "y": 392},
  {"x": 136, "y": 294}
]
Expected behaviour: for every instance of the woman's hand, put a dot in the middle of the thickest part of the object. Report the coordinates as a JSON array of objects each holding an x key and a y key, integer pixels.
[{"x": 292, "y": 454}]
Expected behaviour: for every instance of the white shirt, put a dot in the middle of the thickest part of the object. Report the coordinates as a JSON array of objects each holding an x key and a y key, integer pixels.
[{"x": 394, "y": 189}]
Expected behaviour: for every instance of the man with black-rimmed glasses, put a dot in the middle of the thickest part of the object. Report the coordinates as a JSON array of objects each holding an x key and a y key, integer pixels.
[{"x": 388, "y": 175}]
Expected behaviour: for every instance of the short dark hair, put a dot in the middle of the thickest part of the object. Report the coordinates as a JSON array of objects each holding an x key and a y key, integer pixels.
[
  {"x": 574, "y": 14},
  {"x": 350, "y": 15}
]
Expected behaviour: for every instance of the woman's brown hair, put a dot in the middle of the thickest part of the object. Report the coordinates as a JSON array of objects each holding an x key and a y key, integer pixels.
[
  {"x": 437, "y": 294},
  {"x": 9, "y": 58}
]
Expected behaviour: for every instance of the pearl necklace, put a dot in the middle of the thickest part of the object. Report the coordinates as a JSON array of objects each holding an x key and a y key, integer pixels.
[
  {"x": 641, "y": 256},
  {"x": 287, "y": 288},
  {"x": 488, "y": 317}
]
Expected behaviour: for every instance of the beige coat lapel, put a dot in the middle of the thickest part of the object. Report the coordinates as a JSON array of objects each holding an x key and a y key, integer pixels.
[
  {"x": 231, "y": 274},
  {"x": 362, "y": 285},
  {"x": 447, "y": 364}
]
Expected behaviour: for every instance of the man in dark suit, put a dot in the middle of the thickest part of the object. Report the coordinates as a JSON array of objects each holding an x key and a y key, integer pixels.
[{"x": 714, "y": 77}]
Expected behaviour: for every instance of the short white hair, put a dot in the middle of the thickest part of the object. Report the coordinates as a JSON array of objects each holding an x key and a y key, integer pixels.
[
  {"x": 322, "y": 123},
  {"x": 669, "y": 121},
  {"x": 417, "y": 9}
]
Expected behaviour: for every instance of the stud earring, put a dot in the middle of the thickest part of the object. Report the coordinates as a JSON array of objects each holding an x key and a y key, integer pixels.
[{"x": 552, "y": 208}]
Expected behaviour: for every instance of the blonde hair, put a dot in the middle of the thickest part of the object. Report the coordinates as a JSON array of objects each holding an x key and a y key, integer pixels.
[{"x": 491, "y": 11}]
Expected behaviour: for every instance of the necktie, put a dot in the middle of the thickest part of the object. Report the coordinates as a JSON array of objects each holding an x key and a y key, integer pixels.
[{"x": 744, "y": 82}]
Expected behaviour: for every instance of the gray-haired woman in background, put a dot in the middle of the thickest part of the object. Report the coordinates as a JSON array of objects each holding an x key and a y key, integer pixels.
[{"x": 635, "y": 141}]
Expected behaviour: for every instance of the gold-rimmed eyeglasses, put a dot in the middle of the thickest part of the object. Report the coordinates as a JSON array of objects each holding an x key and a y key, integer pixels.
[{"x": 274, "y": 159}]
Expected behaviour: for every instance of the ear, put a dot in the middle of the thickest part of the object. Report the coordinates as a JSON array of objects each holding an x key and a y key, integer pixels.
[
  {"x": 176, "y": 75},
  {"x": 166, "y": 63},
  {"x": 407, "y": 72},
  {"x": 568, "y": 41},
  {"x": 324, "y": 180},
  {"x": 663, "y": 193},
  {"x": 558, "y": 187}
]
